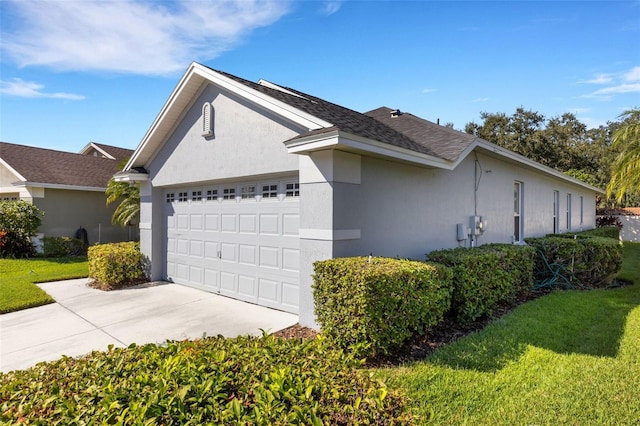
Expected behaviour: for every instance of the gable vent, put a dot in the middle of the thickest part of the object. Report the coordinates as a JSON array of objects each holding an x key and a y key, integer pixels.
[{"x": 207, "y": 120}]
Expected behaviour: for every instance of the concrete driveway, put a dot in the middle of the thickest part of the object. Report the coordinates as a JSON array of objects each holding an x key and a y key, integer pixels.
[{"x": 85, "y": 319}]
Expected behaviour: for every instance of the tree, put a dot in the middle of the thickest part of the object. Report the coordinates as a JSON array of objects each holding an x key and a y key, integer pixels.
[
  {"x": 625, "y": 174},
  {"x": 128, "y": 211}
]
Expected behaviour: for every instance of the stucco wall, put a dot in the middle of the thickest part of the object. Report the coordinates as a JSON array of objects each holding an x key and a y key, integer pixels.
[
  {"x": 245, "y": 142},
  {"x": 66, "y": 210}
]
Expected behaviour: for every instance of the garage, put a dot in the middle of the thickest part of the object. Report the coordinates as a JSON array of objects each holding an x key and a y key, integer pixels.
[{"x": 237, "y": 239}]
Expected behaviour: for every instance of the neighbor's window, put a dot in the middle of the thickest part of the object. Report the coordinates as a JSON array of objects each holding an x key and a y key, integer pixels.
[
  {"x": 556, "y": 212},
  {"x": 270, "y": 191},
  {"x": 568, "y": 212},
  {"x": 293, "y": 190},
  {"x": 517, "y": 212}
]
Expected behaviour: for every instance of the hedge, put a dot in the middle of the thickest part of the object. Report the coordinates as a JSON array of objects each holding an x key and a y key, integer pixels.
[
  {"x": 372, "y": 306},
  {"x": 240, "y": 381},
  {"x": 579, "y": 262},
  {"x": 485, "y": 277},
  {"x": 63, "y": 246},
  {"x": 604, "y": 231},
  {"x": 116, "y": 265}
]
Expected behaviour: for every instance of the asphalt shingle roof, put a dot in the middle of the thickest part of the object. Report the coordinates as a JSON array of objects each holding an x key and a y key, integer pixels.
[
  {"x": 120, "y": 154},
  {"x": 405, "y": 131},
  {"x": 47, "y": 166}
]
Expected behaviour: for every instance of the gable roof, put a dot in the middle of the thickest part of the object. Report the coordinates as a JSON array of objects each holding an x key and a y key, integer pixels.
[
  {"x": 107, "y": 151},
  {"x": 405, "y": 136},
  {"x": 57, "y": 169}
]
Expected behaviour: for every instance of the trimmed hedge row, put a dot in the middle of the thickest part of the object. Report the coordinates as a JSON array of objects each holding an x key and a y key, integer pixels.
[
  {"x": 246, "y": 380},
  {"x": 372, "y": 306},
  {"x": 62, "y": 246},
  {"x": 116, "y": 265},
  {"x": 485, "y": 277},
  {"x": 576, "y": 261},
  {"x": 604, "y": 232}
]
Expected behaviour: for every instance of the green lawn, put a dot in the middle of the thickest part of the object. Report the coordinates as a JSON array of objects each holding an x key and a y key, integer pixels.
[
  {"x": 570, "y": 357},
  {"x": 17, "y": 278}
]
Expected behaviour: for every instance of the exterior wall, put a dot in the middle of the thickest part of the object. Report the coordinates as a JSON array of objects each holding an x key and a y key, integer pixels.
[
  {"x": 66, "y": 210},
  {"x": 246, "y": 143}
]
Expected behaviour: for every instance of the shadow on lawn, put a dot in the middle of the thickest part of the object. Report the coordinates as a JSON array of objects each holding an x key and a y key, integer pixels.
[{"x": 566, "y": 322}]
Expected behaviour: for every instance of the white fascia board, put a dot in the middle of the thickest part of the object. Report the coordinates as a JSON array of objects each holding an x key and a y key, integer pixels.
[
  {"x": 13, "y": 171},
  {"x": 130, "y": 177},
  {"x": 191, "y": 83},
  {"x": 60, "y": 186},
  {"x": 503, "y": 152},
  {"x": 97, "y": 148},
  {"x": 353, "y": 143}
]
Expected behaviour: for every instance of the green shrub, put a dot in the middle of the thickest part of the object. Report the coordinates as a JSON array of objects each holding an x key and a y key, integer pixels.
[
  {"x": 374, "y": 306},
  {"x": 241, "y": 381},
  {"x": 116, "y": 265},
  {"x": 579, "y": 262},
  {"x": 485, "y": 277},
  {"x": 19, "y": 221},
  {"x": 62, "y": 247}
]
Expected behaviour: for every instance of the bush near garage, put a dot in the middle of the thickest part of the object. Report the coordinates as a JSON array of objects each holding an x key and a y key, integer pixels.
[
  {"x": 486, "y": 277},
  {"x": 62, "y": 247},
  {"x": 245, "y": 380},
  {"x": 117, "y": 265},
  {"x": 373, "y": 305},
  {"x": 576, "y": 261}
]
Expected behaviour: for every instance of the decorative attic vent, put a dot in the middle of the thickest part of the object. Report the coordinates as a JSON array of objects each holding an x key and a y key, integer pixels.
[
  {"x": 395, "y": 113},
  {"x": 207, "y": 120}
]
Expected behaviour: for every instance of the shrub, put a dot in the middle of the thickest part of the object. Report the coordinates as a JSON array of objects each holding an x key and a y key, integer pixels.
[
  {"x": 116, "y": 265},
  {"x": 62, "y": 246},
  {"x": 485, "y": 277},
  {"x": 374, "y": 306},
  {"x": 608, "y": 221},
  {"x": 605, "y": 232},
  {"x": 246, "y": 380},
  {"x": 578, "y": 262},
  {"x": 19, "y": 221}
]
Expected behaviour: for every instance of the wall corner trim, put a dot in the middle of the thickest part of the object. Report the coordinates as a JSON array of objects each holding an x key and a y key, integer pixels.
[{"x": 144, "y": 225}]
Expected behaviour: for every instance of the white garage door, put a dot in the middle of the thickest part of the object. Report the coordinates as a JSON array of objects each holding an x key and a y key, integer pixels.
[{"x": 239, "y": 240}]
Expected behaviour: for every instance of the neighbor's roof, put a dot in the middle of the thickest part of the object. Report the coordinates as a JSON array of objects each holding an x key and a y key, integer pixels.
[
  {"x": 48, "y": 167},
  {"x": 108, "y": 151}
]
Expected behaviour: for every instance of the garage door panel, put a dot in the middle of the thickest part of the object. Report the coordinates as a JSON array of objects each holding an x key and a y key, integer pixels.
[{"x": 247, "y": 249}]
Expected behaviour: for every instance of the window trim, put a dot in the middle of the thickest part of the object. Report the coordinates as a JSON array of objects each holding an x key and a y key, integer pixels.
[
  {"x": 556, "y": 212},
  {"x": 568, "y": 211},
  {"x": 518, "y": 212}
]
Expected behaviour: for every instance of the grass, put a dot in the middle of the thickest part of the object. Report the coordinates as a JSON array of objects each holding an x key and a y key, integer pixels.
[
  {"x": 571, "y": 357},
  {"x": 18, "y": 277}
]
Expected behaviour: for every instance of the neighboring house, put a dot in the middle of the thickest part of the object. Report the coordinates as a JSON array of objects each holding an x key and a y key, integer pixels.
[
  {"x": 69, "y": 188},
  {"x": 629, "y": 217},
  {"x": 244, "y": 185}
]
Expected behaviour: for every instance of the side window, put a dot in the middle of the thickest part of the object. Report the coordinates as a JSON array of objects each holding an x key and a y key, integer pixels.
[
  {"x": 568, "y": 212},
  {"x": 517, "y": 212},
  {"x": 556, "y": 212}
]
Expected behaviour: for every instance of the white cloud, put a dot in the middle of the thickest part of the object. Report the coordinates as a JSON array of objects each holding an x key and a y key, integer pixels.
[
  {"x": 628, "y": 82},
  {"x": 331, "y": 7},
  {"x": 131, "y": 36},
  {"x": 480, "y": 99},
  {"x": 28, "y": 89},
  {"x": 599, "y": 79},
  {"x": 429, "y": 90}
]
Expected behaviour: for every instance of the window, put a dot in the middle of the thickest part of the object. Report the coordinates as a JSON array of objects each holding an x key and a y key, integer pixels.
[
  {"x": 568, "y": 212},
  {"x": 270, "y": 191},
  {"x": 9, "y": 197},
  {"x": 248, "y": 192},
  {"x": 196, "y": 196},
  {"x": 212, "y": 194},
  {"x": 171, "y": 197},
  {"x": 556, "y": 212},
  {"x": 293, "y": 190},
  {"x": 183, "y": 197},
  {"x": 581, "y": 210},
  {"x": 229, "y": 194},
  {"x": 517, "y": 212},
  {"x": 207, "y": 120}
]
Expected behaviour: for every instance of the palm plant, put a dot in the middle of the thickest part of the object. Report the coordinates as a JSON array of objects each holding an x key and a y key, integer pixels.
[
  {"x": 625, "y": 175},
  {"x": 128, "y": 211}
]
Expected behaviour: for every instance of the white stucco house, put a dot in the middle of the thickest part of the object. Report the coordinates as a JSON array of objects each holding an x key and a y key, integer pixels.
[{"x": 244, "y": 185}]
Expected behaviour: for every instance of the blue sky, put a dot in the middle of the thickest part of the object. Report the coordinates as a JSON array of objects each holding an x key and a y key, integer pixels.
[{"x": 72, "y": 72}]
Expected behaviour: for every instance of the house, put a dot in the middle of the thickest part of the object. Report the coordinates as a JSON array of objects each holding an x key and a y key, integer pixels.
[
  {"x": 244, "y": 185},
  {"x": 69, "y": 188}
]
